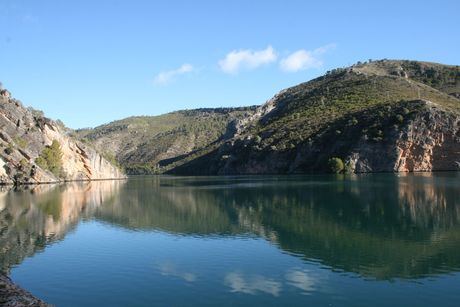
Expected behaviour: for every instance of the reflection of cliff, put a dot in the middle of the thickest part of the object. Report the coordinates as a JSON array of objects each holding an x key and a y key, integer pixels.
[
  {"x": 32, "y": 218},
  {"x": 379, "y": 225}
]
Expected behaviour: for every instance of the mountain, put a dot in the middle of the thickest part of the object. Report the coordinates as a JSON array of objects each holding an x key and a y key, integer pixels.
[
  {"x": 381, "y": 116},
  {"x": 378, "y": 116},
  {"x": 153, "y": 144},
  {"x": 35, "y": 149}
]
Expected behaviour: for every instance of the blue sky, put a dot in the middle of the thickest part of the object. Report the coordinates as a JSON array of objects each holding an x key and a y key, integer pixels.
[{"x": 89, "y": 62}]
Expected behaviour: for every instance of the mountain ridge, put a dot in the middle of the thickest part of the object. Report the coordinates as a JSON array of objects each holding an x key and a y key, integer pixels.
[{"x": 407, "y": 111}]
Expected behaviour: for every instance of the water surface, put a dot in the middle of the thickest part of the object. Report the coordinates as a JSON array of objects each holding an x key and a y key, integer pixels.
[{"x": 268, "y": 240}]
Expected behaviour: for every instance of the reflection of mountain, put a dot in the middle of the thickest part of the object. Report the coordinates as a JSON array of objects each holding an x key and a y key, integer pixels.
[
  {"x": 30, "y": 219},
  {"x": 148, "y": 204},
  {"x": 379, "y": 226},
  {"x": 408, "y": 228}
]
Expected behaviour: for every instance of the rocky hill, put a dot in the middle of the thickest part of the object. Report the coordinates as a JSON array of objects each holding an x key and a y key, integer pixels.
[
  {"x": 155, "y": 144},
  {"x": 35, "y": 149},
  {"x": 379, "y": 116},
  {"x": 382, "y": 116}
]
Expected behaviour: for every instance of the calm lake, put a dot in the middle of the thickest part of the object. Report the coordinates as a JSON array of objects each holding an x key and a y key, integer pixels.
[{"x": 367, "y": 240}]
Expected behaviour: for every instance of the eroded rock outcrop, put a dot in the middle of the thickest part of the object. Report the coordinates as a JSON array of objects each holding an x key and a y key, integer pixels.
[
  {"x": 430, "y": 141},
  {"x": 25, "y": 133}
]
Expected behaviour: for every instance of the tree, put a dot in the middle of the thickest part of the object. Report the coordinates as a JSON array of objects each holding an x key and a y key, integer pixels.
[
  {"x": 51, "y": 158},
  {"x": 336, "y": 165}
]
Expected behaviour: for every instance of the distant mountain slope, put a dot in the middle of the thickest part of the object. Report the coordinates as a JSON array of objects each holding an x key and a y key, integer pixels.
[
  {"x": 152, "y": 144},
  {"x": 378, "y": 116},
  {"x": 383, "y": 115},
  {"x": 35, "y": 149}
]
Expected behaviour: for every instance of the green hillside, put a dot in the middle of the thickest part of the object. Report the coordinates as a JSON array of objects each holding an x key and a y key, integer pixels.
[
  {"x": 371, "y": 103},
  {"x": 364, "y": 115},
  {"x": 153, "y": 144}
]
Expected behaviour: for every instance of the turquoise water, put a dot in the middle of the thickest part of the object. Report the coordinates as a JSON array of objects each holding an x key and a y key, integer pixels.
[{"x": 371, "y": 240}]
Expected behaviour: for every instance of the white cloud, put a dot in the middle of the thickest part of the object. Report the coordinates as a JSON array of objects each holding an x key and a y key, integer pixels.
[
  {"x": 166, "y": 77},
  {"x": 324, "y": 49},
  {"x": 300, "y": 60},
  {"x": 247, "y": 59},
  {"x": 304, "y": 59}
]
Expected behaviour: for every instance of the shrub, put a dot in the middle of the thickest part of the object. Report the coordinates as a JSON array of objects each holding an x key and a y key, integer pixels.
[
  {"x": 111, "y": 158},
  {"x": 21, "y": 142},
  {"x": 51, "y": 158},
  {"x": 399, "y": 118},
  {"x": 9, "y": 149},
  {"x": 336, "y": 165},
  {"x": 353, "y": 122}
]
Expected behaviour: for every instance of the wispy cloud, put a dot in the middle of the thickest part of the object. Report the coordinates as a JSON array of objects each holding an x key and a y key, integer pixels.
[
  {"x": 247, "y": 59},
  {"x": 165, "y": 77},
  {"x": 304, "y": 59}
]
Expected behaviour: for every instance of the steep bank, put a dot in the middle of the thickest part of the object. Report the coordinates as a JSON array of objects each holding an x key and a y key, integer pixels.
[{"x": 35, "y": 149}]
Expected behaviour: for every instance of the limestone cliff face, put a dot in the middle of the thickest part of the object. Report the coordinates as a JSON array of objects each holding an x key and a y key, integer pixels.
[
  {"x": 25, "y": 133},
  {"x": 429, "y": 142}
]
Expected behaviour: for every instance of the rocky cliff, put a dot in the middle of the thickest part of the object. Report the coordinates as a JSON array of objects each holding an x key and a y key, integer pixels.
[{"x": 26, "y": 151}]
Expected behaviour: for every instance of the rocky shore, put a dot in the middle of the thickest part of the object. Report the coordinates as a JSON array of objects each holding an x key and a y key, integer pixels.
[{"x": 12, "y": 295}]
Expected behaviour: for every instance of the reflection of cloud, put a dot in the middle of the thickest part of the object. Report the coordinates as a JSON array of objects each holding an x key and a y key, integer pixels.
[
  {"x": 252, "y": 284},
  {"x": 169, "y": 269},
  {"x": 301, "y": 280}
]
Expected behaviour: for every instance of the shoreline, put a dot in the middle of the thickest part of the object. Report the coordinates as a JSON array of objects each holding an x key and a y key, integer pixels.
[
  {"x": 13, "y": 295},
  {"x": 12, "y": 184}
]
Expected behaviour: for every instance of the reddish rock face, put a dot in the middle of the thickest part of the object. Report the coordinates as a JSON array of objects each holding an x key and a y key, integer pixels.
[{"x": 431, "y": 143}]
